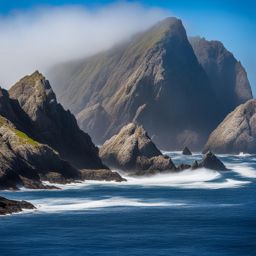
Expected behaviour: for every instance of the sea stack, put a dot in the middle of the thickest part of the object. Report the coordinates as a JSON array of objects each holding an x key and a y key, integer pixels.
[
  {"x": 133, "y": 151},
  {"x": 209, "y": 161},
  {"x": 186, "y": 151}
]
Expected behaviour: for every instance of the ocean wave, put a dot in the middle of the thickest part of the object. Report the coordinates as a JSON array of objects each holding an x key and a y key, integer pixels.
[
  {"x": 190, "y": 179},
  {"x": 54, "y": 205},
  {"x": 243, "y": 170},
  {"x": 73, "y": 204}
]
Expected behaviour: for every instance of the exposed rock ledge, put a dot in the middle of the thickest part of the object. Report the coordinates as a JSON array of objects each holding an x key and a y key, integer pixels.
[{"x": 11, "y": 206}]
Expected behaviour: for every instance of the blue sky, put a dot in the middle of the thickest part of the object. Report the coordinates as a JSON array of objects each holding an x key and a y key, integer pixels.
[{"x": 231, "y": 21}]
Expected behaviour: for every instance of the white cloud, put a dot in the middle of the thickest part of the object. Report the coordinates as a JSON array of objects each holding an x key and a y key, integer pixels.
[{"x": 39, "y": 38}]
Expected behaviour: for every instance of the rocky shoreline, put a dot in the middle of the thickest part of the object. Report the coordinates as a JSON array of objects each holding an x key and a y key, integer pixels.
[{"x": 12, "y": 206}]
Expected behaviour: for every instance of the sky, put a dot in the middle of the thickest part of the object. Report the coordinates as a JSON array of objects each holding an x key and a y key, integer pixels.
[{"x": 31, "y": 31}]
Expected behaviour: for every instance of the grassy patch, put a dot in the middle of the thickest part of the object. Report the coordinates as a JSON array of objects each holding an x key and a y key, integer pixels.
[{"x": 25, "y": 138}]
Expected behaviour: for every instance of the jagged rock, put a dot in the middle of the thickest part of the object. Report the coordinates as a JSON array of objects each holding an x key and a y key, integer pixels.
[
  {"x": 132, "y": 150},
  {"x": 210, "y": 161},
  {"x": 52, "y": 125},
  {"x": 11, "y": 206},
  {"x": 156, "y": 80},
  {"x": 237, "y": 132},
  {"x": 186, "y": 151}
]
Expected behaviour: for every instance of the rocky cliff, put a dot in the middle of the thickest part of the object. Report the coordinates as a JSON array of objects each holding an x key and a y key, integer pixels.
[
  {"x": 227, "y": 75},
  {"x": 52, "y": 125},
  {"x": 237, "y": 132},
  {"x": 25, "y": 162},
  {"x": 155, "y": 80},
  {"x": 40, "y": 141}
]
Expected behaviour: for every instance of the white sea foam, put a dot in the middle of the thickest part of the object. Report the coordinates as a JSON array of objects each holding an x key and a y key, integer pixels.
[
  {"x": 175, "y": 179},
  {"x": 54, "y": 205},
  {"x": 243, "y": 170},
  {"x": 73, "y": 204},
  {"x": 242, "y": 154},
  {"x": 191, "y": 179}
]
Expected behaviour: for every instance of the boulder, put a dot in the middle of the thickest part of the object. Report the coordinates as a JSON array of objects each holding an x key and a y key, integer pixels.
[
  {"x": 11, "y": 206},
  {"x": 132, "y": 150}
]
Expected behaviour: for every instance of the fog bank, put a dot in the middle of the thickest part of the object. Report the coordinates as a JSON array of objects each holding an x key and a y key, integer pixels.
[{"x": 42, "y": 37}]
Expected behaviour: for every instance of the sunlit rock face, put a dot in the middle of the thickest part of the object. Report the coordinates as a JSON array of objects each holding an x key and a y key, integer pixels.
[
  {"x": 237, "y": 132},
  {"x": 133, "y": 151}
]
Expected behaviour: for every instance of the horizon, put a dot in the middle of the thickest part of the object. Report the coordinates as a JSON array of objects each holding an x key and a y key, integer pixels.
[{"x": 231, "y": 22}]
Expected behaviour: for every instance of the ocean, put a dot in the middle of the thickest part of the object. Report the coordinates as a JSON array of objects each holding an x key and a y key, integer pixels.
[{"x": 200, "y": 212}]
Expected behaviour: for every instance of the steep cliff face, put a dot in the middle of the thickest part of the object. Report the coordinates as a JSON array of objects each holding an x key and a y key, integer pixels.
[
  {"x": 228, "y": 76},
  {"x": 52, "y": 125},
  {"x": 154, "y": 79},
  {"x": 237, "y": 133}
]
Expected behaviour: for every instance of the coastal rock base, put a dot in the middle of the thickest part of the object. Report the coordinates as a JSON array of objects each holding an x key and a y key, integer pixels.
[{"x": 11, "y": 206}]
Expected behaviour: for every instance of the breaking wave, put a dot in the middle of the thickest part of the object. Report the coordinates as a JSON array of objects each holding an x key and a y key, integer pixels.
[{"x": 73, "y": 204}]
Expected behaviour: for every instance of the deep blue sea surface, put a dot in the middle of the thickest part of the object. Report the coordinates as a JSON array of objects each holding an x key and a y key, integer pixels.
[{"x": 199, "y": 213}]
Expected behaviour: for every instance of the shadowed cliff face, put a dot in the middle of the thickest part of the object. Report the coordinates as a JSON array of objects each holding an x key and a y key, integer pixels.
[
  {"x": 154, "y": 79},
  {"x": 51, "y": 124},
  {"x": 228, "y": 77}
]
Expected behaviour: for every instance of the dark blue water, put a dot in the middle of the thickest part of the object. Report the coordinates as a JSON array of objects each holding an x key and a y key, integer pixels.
[{"x": 193, "y": 213}]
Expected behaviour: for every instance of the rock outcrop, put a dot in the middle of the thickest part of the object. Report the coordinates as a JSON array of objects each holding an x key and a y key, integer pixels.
[
  {"x": 133, "y": 151},
  {"x": 156, "y": 80},
  {"x": 186, "y": 151},
  {"x": 12, "y": 206},
  {"x": 237, "y": 132},
  {"x": 210, "y": 161}
]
